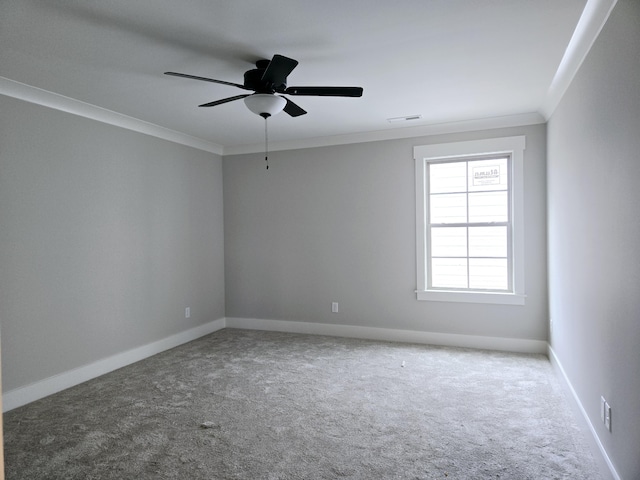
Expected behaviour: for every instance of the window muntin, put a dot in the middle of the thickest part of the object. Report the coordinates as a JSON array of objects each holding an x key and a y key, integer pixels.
[{"x": 468, "y": 194}]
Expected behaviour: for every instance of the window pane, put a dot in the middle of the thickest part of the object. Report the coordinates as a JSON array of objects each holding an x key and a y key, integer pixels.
[
  {"x": 488, "y": 207},
  {"x": 451, "y": 208},
  {"x": 449, "y": 242},
  {"x": 488, "y": 274},
  {"x": 449, "y": 272},
  {"x": 488, "y": 242},
  {"x": 447, "y": 177},
  {"x": 488, "y": 175}
]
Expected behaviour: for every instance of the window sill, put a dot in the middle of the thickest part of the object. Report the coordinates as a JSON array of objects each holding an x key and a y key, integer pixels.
[{"x": 471, "y": 297}]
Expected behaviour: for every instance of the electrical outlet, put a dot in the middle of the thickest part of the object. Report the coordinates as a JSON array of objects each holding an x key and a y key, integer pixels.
[
  {"x": 334, "y": 307},
  {"x": 605, "y": 413},
  {"x": 607, "y": 416},
  {"x": 187, "y": 312}
]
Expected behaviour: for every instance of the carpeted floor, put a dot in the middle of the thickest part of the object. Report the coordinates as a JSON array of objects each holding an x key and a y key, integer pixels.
[{"x": 262, "y": 405}]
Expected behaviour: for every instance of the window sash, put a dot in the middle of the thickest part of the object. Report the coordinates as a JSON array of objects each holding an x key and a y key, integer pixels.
[
  {"x": 468, "y": 256},
  {"x": 463, "y": 264}
]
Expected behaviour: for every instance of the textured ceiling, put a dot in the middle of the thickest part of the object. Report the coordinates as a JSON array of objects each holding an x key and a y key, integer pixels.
[{"x": 447, "y": 60}]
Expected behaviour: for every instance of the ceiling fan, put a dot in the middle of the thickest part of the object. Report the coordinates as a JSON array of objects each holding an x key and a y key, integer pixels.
[{"x": 268, "y": 81}]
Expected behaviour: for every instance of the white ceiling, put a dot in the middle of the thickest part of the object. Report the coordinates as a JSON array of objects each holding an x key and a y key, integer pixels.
[{"x": 447, "y": 60}]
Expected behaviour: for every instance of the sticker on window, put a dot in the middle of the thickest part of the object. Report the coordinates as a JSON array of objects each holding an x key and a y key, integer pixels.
[{"x": 486, "y": 175}]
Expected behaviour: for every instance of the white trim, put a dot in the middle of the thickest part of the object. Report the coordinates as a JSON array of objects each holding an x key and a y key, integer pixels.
[
  {"x": 593, "y": 18},
  {"x": 553, "y": 358},
  {"x": 471, "y": 297},
  {"x": 29, "y": 393},
  {"x": 519, "y": 345},
  {"x": 35, "y": 391},
  {"x": 485, "y": 146},
  {"x": 441, "y": 152},
  {"x": 396, "y": 133},
  {"x": 38, "y": 96},
  {"x": 21, "y": 396}
]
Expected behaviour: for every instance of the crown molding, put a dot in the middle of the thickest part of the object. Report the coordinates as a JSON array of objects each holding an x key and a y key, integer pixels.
[
  {"x": 532, "y": 118},
  {"x": 593, "y": 18},
  {"x": 38, "y": 96}
]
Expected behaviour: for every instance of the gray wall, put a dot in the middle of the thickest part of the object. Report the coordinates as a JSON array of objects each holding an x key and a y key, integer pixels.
[
  {"x": 106, "y": 235},
  {"x": 594, "y": 234},
  {"x": 338, "y": 224}
]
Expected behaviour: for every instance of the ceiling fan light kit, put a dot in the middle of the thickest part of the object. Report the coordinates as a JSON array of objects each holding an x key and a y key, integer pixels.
[{"x": 265, "y": 104}]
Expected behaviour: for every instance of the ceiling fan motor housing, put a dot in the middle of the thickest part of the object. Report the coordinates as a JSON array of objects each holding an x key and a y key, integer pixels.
[{"x": 253, "y": 79}]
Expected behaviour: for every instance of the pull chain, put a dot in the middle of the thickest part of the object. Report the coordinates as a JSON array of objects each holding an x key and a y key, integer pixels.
[{"x": 266, "y": 143}]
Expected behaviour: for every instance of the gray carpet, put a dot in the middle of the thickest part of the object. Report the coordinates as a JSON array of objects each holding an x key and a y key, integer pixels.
[{"x": 260, "y": 405}]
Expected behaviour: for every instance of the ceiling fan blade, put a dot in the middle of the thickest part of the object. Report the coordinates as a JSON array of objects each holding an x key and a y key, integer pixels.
[
  {"x": 205, "y": 79},
  {"x": 224, "y": 100},
  {"x": 278, "y": 70},
  {"x": 325, "y": 91},
  {"x": 292, "y": 109}
]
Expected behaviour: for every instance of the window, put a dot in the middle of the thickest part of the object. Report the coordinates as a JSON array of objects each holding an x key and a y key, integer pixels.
[{"x": 469, "y": 208}]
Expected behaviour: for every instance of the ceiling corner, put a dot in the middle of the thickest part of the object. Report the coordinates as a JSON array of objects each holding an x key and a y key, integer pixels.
[{"x": 593, "y": 18}]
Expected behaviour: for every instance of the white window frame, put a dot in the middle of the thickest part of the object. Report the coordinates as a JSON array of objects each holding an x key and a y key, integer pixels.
[{"x": 423, "y": 154}]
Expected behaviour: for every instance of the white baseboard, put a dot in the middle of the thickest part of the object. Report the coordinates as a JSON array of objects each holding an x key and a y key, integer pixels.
[
  {"x": 604, "y": 460},
  {"x": 35, "y": 391},
  {"x": 408, "y": 336},
  {"x": 43, "y": 388}
]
